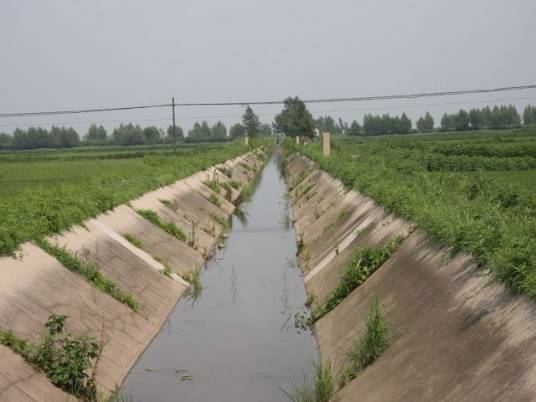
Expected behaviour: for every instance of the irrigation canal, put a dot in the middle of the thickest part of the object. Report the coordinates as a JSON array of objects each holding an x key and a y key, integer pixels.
[{"x": 237, "y": 341}]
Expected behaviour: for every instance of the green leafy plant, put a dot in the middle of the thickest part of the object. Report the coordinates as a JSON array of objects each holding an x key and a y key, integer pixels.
[{"x": 65, "y": 358}]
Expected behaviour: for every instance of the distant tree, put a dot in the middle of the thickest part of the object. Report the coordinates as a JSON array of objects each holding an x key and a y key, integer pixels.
[
  {"x": 475, "y": 119},
  {"x": 6, "y": 141},
  {"x": 405, "y": 125},
  {"x": 425, "y": 124},
  {"x": 237, "y": 131},
  {"x": 219, "y": 132},
  {"x": 200, "y": 132},
  {"x": 529, "y": 115},
  {"x": 152, "y": 135},
  {"x": 179, "y": 133},
  {"x": 266, "y": 130},
  {"x": 326, "y": 124},
  {"x": 461, "y": 121},
  {"x": 251, "y": 122},
  {"x": 295, "y": 119},
  {"x": 341, "y": 127},
  {"x": 96, "y": 133},
  {"x": 128, "y": 134},
  {"x": 355, "y": 128},
  {"x": 62, "y": 137}
]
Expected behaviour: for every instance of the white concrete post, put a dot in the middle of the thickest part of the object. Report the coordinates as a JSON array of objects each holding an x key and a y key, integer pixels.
[
  {"x": 246, "y": 140},
  {"x": 297, "y": 139},
  {"x": 326, "y": 144}
]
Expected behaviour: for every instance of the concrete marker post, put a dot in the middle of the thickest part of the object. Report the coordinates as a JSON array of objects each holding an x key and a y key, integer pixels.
[
  {"x": 326, "y": 144},
  {"x": 297, "y": 139}
]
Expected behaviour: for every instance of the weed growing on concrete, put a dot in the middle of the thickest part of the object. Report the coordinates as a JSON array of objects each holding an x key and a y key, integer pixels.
[
  {"x": 364, "y": 263},
  {"x": 167, "y": 270},
  {"x": 297, "y": 181},
  {"x": 246, "y": 167},
  {"x": 173, "y": 205},
  {"x": 90, "y": 272},
  {"x": 214, "y": 200},
  {"x": 214, "y": 185},
  {"x": 321, "y": 389},
  {"x": 234, "y": 184},
  {"x": 370, "y": 346},
  {"x": 134, "y": 240},
  {"x": 65, "y": 358},
  {"x": 228, "y": 191},
  {"x": 227, "y": 171},
  {"x": 168, "y": 227},
  {"x": 191, "y": 240},
  {"x": 196, "y": 288}
]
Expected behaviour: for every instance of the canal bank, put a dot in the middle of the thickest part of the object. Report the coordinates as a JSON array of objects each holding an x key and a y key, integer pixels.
[{"x": 237, "y": 341}]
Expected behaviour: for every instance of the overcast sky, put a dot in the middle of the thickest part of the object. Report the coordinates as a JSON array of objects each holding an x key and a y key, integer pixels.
[{"x": 63, "y": 54}]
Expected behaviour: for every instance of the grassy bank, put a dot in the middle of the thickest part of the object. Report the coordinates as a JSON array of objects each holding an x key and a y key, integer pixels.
[
  {"x": 472, "y": 191},
  {"x": 43, "y": 197}
]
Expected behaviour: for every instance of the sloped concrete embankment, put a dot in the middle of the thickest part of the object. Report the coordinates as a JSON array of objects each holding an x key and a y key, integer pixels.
[
  {"x": 457, "y": 337},
  {"x": 35, "y": 285}
]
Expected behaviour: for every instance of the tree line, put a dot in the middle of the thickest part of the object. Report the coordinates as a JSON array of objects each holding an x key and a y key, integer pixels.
[{"x": 130, "y": 134}]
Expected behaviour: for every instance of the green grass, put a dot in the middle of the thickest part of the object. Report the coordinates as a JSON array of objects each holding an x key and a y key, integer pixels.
[
  {"x": 364, "y": 263},
  {"x": 365, "y": 351},
  {"x": 67, "y": 360},
  {"x": 45, "y": 192},
  {"x": 134, "y": 241},
  {"x": 214, "y": 200},
  {"x": 320, "y": 389},
  {"x": 168, "y": 227},
  {"x": 89, "y": 272},
  {"x": 473, "y": 191}
]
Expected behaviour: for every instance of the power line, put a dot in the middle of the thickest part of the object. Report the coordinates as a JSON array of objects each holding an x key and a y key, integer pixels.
[
  {"x": 228, "y": 116},
  {"x": 275, "y": 102}
]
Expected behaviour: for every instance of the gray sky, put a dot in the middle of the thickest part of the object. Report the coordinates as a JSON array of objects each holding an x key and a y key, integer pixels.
[{"x": 62, "y": 54}]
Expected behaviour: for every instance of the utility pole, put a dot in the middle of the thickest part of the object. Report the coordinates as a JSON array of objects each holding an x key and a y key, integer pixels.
[{"x": 174, "y": 128}]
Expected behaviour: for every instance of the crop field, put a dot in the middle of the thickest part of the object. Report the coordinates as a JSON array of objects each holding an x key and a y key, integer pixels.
[
  {"x": 48, "y": 191},
  {"x": 474, "y": 192}
]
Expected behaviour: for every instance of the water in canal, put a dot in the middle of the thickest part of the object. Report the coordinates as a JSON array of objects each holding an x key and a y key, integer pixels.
[{"x": 237, "y": 342}]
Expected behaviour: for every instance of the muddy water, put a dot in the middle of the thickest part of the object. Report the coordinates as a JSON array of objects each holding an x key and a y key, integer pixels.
[{"x": 237, "y": 342}]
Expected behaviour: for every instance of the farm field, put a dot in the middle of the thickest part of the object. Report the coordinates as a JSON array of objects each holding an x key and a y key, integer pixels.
[
  {"x": 472, "y": 191},
  {"x": 47, "y": 191}
]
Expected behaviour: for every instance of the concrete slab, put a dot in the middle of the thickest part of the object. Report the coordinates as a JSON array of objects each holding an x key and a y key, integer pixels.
[
  {"x": 133, "y": 271},
  {"x": 176, "y": 254},
  {"x": 37, "y": 286}
]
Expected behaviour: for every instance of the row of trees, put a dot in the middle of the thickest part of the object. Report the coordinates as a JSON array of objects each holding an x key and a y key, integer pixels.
[
  {"x": 37, "y": 137},
  {"x": 130, "y": 134},
  {"x": 500, "y": 117}
]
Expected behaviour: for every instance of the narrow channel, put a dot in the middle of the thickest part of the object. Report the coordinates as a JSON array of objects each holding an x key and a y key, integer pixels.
[{"x": 237, "y": 342}]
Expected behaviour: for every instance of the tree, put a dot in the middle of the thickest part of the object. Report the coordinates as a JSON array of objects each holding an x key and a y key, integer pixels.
[
  {"x": 266, "y": 130},
  {"x": 251, "y": 122},
  {"x": 425, "y": 124},
  {"x": 475, "y": 119},
  {"x": 128, "y": 134},
  {"x": 219, "y": 131},
  {"x": 404, "y": 125},
  {"x": 152, "y": 135},
  {"x": 96, "y": 133},
  {"x": 6, "y": 141},
  {"x": 355, "y": 128},
  {"x": 295, "y": 120},
  {"x": 529, "y": 115},
  {"x": 179, "y": 134},
  {"x": 237, "y": 131},
  {"x": 199, "y": 132}
]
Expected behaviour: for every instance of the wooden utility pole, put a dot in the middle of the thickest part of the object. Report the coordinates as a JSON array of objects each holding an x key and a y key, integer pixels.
[{"x": 174, "y": 128}]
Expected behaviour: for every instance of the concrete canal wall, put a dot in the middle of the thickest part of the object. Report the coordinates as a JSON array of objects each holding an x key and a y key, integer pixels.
[{"x": 457, "y": 337}]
